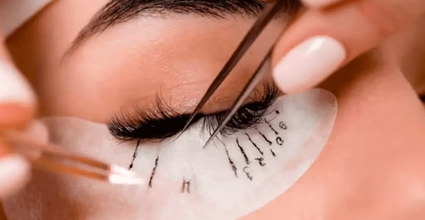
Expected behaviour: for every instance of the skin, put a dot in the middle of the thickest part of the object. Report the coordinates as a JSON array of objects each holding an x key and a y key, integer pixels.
[
  {"x": 408, "y": 50},
  {"x": 357, "y": 25},
  {"x": 370, "y": 168},
  {"x": 189, "y": 68}
]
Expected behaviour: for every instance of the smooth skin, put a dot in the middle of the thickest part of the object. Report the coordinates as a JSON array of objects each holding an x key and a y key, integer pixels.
[
  {"x": 371, "y": 166},
  {"x": 342, "y": 30},
  {"x": 356, "y": 97}
]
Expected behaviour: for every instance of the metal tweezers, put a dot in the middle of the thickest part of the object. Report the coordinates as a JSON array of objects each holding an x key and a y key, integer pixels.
[
  {"x": 52, "y": 158},
  {"x": 270, "y": 11}
]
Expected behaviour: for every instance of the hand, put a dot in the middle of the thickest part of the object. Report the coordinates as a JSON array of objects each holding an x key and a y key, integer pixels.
[
  {"x": 334, "y": 32},
  {"x": 17, "y": 108}
]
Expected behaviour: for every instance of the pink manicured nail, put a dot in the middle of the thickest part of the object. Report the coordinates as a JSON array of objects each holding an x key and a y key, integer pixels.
[
  {"x": 308, "y": 64},
  {"x": 319, "y": 3}
]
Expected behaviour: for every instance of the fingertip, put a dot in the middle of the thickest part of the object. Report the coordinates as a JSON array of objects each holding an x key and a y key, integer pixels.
[
  {"x": 308, "y": 63},
  {"x": 14, "y": 174},
  {"x": 15, "y": 87},
  {"x": 16, "y": 115},
  {"x": 17, "y": 99}
]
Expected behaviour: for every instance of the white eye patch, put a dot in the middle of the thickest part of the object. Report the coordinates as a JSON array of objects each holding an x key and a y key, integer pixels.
[{"x": 228, "y": 179}]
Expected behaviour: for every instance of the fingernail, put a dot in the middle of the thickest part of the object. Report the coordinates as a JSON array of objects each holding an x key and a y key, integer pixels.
[
  {"x": 319, "y": 3},
  {"x": 308, "y": 64},
  {"x": 14, "y": 174},
  {"x": 14, "y": 87}
]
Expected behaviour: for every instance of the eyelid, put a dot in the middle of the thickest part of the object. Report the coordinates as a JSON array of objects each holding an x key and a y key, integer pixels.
[{"x": 163, "y": 122}]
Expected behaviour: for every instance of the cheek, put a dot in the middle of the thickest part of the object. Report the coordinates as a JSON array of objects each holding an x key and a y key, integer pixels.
[{"x": 372, "y": 165}]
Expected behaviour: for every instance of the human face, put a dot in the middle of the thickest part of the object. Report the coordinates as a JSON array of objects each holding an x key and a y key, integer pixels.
[{"x": 128, "y": 62}]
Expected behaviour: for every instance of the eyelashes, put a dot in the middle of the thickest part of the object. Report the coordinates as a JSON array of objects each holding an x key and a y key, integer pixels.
[
  {"x": 248, "y": 116},
  {"x": 161, "y": 121}
]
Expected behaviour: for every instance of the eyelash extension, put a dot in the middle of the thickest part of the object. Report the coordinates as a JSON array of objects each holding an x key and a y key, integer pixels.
[
  {"x": 248, "y": 115},
  {"x": 162, "y": 122}
]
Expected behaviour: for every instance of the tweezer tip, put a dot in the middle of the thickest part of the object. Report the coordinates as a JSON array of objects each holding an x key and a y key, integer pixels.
[
  {"x": 210, "y": 139},
  {"x": 186, "y": 126},
  {"x": 122, "y": 176},
  {"x": 125, "y": 180}
]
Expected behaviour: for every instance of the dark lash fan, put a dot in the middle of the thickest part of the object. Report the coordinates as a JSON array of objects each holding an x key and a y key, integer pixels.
[{"x": 161, "y": 122}]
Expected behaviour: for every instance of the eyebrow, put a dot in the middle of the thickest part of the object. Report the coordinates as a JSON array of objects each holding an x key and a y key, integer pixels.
[{"x": 121, "y": 11}]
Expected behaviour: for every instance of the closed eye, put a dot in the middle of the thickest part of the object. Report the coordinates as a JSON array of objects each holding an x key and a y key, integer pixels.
[{"x": 161, "y": 121}]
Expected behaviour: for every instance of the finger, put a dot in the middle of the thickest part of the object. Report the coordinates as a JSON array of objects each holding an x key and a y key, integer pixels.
[
  {"x": 321, "y": 41},
  {"x": 14, "y": 169},
  {"x": 14, "y": 174},
  {"x": 17, "y": 107},
  {"x": 17, "y": 100}
]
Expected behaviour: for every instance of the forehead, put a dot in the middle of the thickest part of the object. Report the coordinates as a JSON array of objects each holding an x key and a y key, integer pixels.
[
  {"x": 177, "y": 54},
  {"x": 181, "y": 53}
]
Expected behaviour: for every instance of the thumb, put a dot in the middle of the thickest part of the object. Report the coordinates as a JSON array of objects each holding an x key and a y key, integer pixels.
[{"x": 323, "y": 40}]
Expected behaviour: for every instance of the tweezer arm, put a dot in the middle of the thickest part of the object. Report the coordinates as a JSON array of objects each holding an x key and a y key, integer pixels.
[
  {"x": 269, "y": 12},
  {"x": 253, "y": 81},
  {"x": 51, "y": 158}
]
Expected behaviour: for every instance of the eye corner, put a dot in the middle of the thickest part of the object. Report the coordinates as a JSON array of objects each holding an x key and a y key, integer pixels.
[{"x": 422, "y": 97}]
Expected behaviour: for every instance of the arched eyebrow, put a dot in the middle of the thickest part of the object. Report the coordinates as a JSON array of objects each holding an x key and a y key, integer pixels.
[{"x": 121, "y": 11}]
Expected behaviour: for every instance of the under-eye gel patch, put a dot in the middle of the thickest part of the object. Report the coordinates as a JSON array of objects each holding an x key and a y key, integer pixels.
[{"x": 233, "y": 176}]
